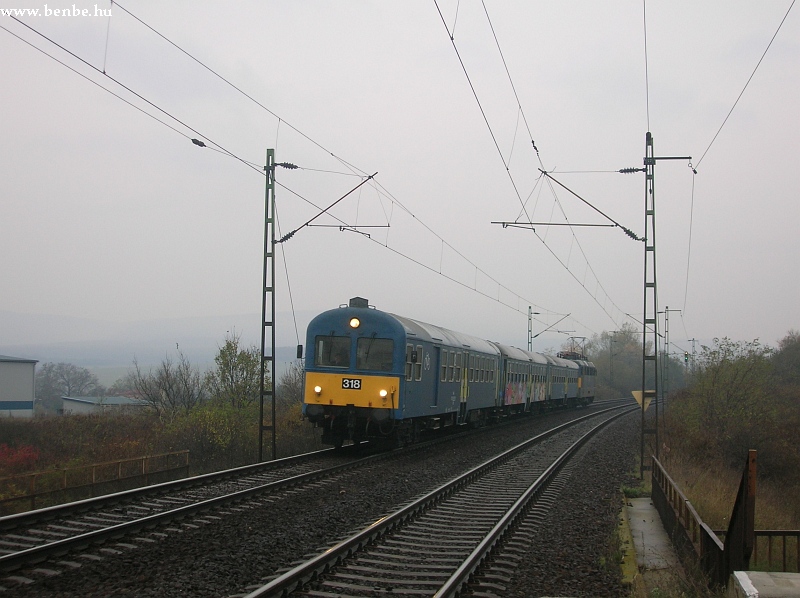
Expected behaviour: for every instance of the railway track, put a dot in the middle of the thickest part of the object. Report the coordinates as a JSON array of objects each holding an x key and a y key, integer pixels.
[
  {"x": 30, "y": 538},
  {"x": 434, "y": 545},
  {"x": 213, "y": 536}
]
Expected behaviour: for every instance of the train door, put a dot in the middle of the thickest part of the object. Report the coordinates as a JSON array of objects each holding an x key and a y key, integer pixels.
[
  {"x": 463, "y": 358},
  {"x": 437, "y": 357},
  {"x": 528, "y": 386}
]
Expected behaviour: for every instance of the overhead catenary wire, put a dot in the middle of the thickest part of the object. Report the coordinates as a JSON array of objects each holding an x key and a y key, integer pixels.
[
  {"x": 129, "y": 90},
  {"x": 258, "y": 168},
  {"x": 253, "y": 165},
  {"x": 288, "y": 282},
  {"x": 533, "y": 144},
  {"x": 93, "y": 82},
  {"x": 108, "y": 36},
  {"x": 702, "y": 157},
  {"x": 353, "y": 168},
  {"x": 750, "y": 78},
  {"x": 510, "y": 80},
  {"x": 237, "y": 88}
]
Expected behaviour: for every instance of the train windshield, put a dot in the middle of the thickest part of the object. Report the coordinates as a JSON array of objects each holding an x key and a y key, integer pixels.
[
  {"x": 375, "y": 354},
  {"x": 332, "y": 351}
]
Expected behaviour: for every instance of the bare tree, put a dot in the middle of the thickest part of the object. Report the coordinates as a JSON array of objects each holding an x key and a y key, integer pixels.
[
  {"x": 173, "y": 387},
  {"x": 290, "y": 388}
]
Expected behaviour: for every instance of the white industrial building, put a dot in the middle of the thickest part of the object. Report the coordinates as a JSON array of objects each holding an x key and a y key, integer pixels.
[
  {"x": 17, "y": 386},
  {"x": 97, "y": 405}
]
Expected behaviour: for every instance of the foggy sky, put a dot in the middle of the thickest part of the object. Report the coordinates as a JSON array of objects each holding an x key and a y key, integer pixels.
[{"x": 111, "y": 216}]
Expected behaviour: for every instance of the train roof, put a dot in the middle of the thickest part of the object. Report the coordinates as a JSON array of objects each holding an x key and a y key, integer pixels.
[
  {"x": 521, "y": 355},
  {"x": 393, "y": 324},
  {"x": 564, "y": 363},
  {"x": 434, "y": 334}
]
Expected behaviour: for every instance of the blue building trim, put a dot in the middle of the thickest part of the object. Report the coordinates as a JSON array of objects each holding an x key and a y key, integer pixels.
[{"x": 15, "y": 405}]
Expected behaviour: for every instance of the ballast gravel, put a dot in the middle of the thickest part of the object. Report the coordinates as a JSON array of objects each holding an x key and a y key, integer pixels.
[{"x": 227, "y": 552}]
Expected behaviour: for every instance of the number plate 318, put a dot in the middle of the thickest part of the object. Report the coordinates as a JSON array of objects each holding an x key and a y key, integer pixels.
[{"x": 351, "y": 383}]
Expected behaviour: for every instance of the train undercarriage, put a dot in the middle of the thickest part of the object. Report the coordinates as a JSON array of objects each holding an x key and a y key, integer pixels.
[{"x": 341, "y": 425}]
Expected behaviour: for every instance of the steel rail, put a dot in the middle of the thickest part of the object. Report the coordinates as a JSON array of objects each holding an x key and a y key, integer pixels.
[
  {"x": 37, "y": 554},
  {"x": 296, "y": 578},
  {"x": 482, "y": 551},
  {"x": 10, "y": 522}
]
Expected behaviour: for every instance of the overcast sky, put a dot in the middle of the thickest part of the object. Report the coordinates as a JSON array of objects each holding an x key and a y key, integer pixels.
[{"x": 110, "y": 215}]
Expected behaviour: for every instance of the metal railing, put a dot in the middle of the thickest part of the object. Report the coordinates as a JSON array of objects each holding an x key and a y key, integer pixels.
[
  {"x": 774, "y": 550},
  {"x": 693, "y": 539},
  {"x": 743, "y": 547},
  {"x": 787, "y": 552},
  {"x": 44, "y": 488}
]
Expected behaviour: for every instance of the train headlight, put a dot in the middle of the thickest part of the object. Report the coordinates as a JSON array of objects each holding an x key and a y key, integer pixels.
[
  {"x": 318, "y": 390},
  {"x": 355, "y": 322},
  {"x": 383, "y": 394}
]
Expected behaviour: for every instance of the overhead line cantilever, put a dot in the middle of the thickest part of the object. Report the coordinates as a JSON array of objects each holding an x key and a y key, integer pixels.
[{"x": 627, "y": 231}]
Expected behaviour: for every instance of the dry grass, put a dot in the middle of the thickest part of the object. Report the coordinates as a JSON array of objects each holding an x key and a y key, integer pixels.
[{"x": 712, "y": 489}]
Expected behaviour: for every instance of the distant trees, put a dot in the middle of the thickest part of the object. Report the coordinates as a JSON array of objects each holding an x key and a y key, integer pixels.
[
  {"x": 737, "y": 400},
  {"x": 173, "y": 387},
  {"x": 295, "y": 435},
  {"x": 729, "y": 391},
  {"x": 290, "y": 385},
  {"x": 213, "y": 414},
  {"x": 617, "y": 355},
  {"x": 618, "y": 358},
  {"x": 235, "y": 380},
  {"x": 56, "y": 380},
  {"x": 787, "y": 360}
]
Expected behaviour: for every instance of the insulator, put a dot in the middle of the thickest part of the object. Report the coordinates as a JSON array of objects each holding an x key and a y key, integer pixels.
[{"x": 286, "y": 237}]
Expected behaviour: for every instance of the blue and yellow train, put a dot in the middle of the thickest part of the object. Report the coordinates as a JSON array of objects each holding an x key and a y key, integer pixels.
[{"x": 371, "y": 375}]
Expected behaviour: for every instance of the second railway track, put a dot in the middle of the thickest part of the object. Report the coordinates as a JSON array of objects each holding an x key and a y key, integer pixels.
[
  {"x": 433, "y": 546},
  {"x": 32, "y": 537}
]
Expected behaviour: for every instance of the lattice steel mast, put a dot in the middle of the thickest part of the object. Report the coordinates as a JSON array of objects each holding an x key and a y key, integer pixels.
[
  {"x": 268, "y": 303},
  {"x": 650, "y": 310}
]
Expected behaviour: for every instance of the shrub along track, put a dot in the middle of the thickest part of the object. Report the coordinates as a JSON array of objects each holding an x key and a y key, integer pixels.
[{"x": 233, "y": 548}]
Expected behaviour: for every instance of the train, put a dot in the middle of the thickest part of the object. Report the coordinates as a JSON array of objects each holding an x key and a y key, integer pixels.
[{"x": 375, "y": 376}]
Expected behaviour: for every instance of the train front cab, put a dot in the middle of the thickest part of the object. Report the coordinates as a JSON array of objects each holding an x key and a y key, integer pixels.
[
  {"x": 354, "y": 376},
  {"x": 587, "y": 378}
]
